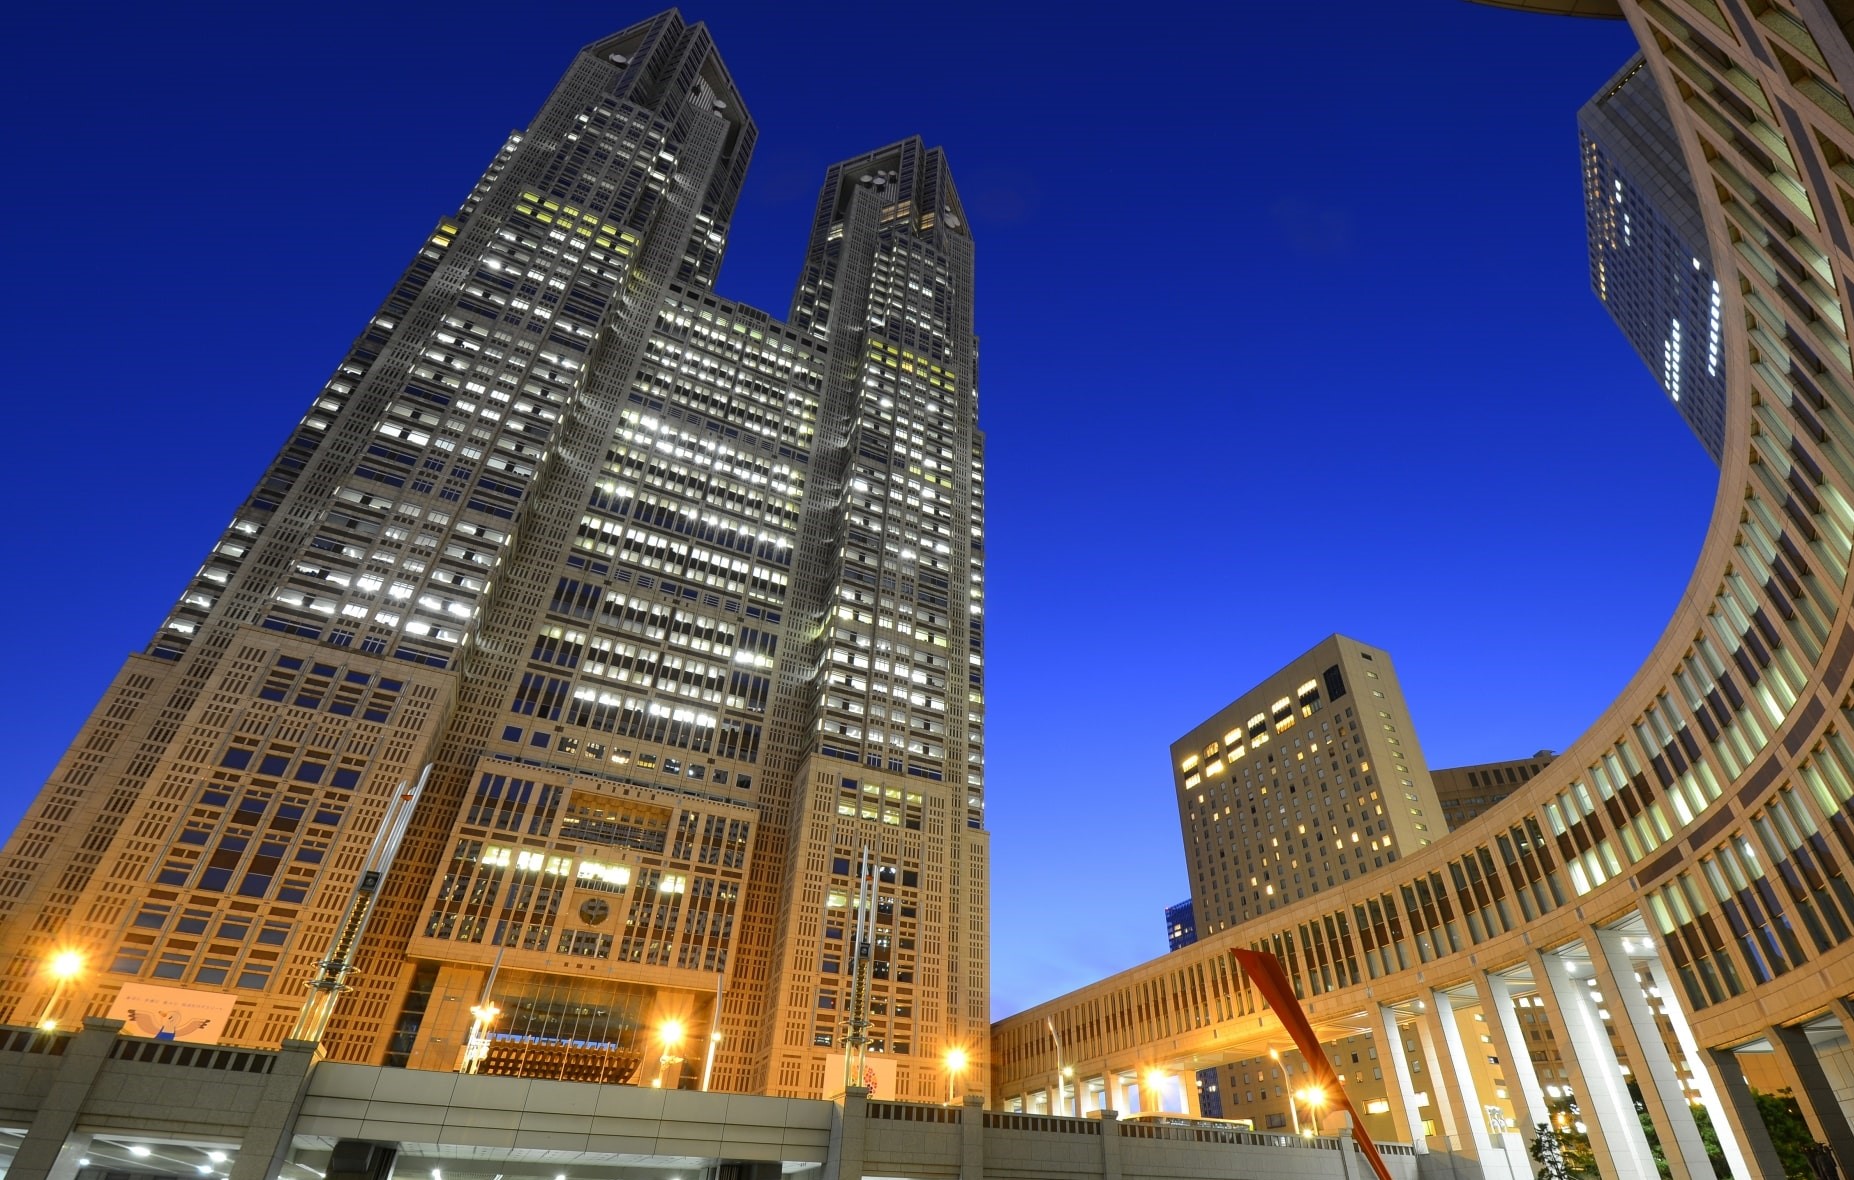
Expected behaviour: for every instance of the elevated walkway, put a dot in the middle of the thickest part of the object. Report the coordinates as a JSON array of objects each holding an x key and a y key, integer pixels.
[{"x": 79, "y": 1106}]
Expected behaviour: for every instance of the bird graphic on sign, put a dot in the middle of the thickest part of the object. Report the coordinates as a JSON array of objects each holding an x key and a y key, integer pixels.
[{"x": 164, "y": 1026}]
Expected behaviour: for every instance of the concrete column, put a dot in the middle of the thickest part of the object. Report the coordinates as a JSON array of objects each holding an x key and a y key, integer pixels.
[
  {"x": 1721, "y": 1083},
  {"x": 43, "y": 1151},
  {"x": 1440, "y": 1082},
  {"x": 1351, "y": 1167},
  {"x": 76, "y": 1147},
  {"x": 1187, "y": 1085},
  {"x": 1116, "y": 1095},
  {"x": 1509, "y": 1041},
  {"x": 1110, "y": 1145},
  {"x": 972, "y": 1138},
  {"x": 849, "y": 1136},
  {"x": 1742, "y": 1134},
  {"x": 1655, "y": 1075},
  {"x": 1596, "y": 1075},
  {"x": 1454, "y": 1073},
  {"x": 267, "y": 1138},
  {"x": 1406, "y": 1118},
  {"x": 1828, "y": 1122}
]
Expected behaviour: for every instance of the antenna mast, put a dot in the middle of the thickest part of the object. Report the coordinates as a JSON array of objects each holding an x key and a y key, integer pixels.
[{"x": 332, "y": 972}]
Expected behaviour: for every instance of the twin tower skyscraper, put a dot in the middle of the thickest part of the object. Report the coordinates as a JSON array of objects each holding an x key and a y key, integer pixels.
[{"x": 680, "y": 605}]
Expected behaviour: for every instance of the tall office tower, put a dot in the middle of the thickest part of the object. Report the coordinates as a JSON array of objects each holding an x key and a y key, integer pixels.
[
  {"x": 1649, "y": 262},
  {"x": 1309, "y": 779},
  {"x": 678, "y": 604},
  {"x": 1466, "y": 791},
  {"x": 879, "y": 730}
]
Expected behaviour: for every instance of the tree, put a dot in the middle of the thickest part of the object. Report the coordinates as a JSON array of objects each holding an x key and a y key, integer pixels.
[
  {"x": 1702, "y": 1121},
  {"x": 1569, "y": 1140},
  {"x": 1547, "y": 1151},
  {"x": 1789, "y": 1134}
]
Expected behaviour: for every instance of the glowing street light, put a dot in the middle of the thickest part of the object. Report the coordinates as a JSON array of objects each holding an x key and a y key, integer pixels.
[
  {"x": 955, "y": 1065},
  {"x": 1315, "y": 1098},
  {"x": 63, "y": 967},
  {"x": 670, "y": 1033},
  {"x": 1155, "y": 1083},
  {"x": 476, "y": 1045}
]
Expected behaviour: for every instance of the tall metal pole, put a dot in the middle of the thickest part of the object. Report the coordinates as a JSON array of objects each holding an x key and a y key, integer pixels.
[
  {"x": 483, "y": 1017},
  {"x": 714, "y": 1035},
  {"x": 1293, "y": 1100},
  {"x": 863, "y": 932},
  {"x": 331, "y": 973},
  {"x": 1050, "y": 1021}
]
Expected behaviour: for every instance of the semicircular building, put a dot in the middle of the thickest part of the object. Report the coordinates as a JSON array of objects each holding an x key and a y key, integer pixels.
[{"x": 1666, "y": 907}]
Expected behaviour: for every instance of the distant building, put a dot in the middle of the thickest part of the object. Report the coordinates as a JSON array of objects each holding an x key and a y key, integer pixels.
[
  {"x": 1180, "y": 925},
  {"x": 1649, "y": 262},
  {"x": 1466, "y": 791},
  {"x": 1181, "y": 931},
  {"x": 1309, "y": 779}
]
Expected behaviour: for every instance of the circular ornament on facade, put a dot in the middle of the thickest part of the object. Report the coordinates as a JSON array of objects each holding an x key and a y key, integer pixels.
[{"x": 594, "y": 910}]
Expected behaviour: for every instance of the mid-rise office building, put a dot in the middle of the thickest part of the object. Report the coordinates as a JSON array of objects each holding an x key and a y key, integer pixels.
[
  {"x": 672, "y": 606},
  {"x": 1649, "y": 261},
  {"x": 1309, "y": 779},
  {"x": 1466, "y": 791}
]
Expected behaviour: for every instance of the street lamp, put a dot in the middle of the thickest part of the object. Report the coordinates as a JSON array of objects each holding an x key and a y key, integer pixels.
[
  {"x": 483, "y": 1017},
  {"x": 708, "y": 1062},
  {"x": 476, "y": 1045},
  {"x": 1062, "y": 1071},
  {"x": 955, "y": 1065},
  {"x": 63, "y": 967},
  {"x": 1155, "y": 1079},
  {"x": 670, "y": 1033},
  {"x": 1316, "y": 1101},
  {"x": 1068, "y": 1082},
  {"x": 1287, "y": 1075}
]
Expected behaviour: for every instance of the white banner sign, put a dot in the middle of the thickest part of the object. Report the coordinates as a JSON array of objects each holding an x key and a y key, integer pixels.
[
  {"x": 172, "y": 1013},
  {"x": 878, "y": 1075}
]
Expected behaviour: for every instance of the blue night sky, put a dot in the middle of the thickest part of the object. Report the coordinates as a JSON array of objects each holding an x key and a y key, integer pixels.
[{"x": 1286, "y": 328}]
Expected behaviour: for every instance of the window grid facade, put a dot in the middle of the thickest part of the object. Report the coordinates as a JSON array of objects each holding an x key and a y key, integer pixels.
[{"x": 567, "y": 528}]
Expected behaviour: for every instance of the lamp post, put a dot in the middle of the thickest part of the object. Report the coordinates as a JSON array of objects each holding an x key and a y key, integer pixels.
[
  {"x": 1069, "y": 1082},
  {"x": 63, "y": 967},
  {"x": 714, "y": 1036},
  {"x": 476, "y": 1045},
  {"x": 955, "y": 1065},
  {"x": 1155, "y": 1080},
  {"x": 708, "y": 1062},
  {"x": 1287, "y": 1075},
  {"x": 483, "y": 1018},
  {"x": 1061, "y": 1073},
  {"x": 1316, "y": 1101},
  {"x": 670, "y": 1033}
]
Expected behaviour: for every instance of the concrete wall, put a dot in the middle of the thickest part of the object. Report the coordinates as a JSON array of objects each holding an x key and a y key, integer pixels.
[
  {"x": 71, "y": 1090},
  {"x": 416, "y": 1107},
  {"x": 969, "y": 1143}
]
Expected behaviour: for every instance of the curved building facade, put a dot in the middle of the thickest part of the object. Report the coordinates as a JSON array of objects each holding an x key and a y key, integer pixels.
[{"x": 1671, "y": 895}]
